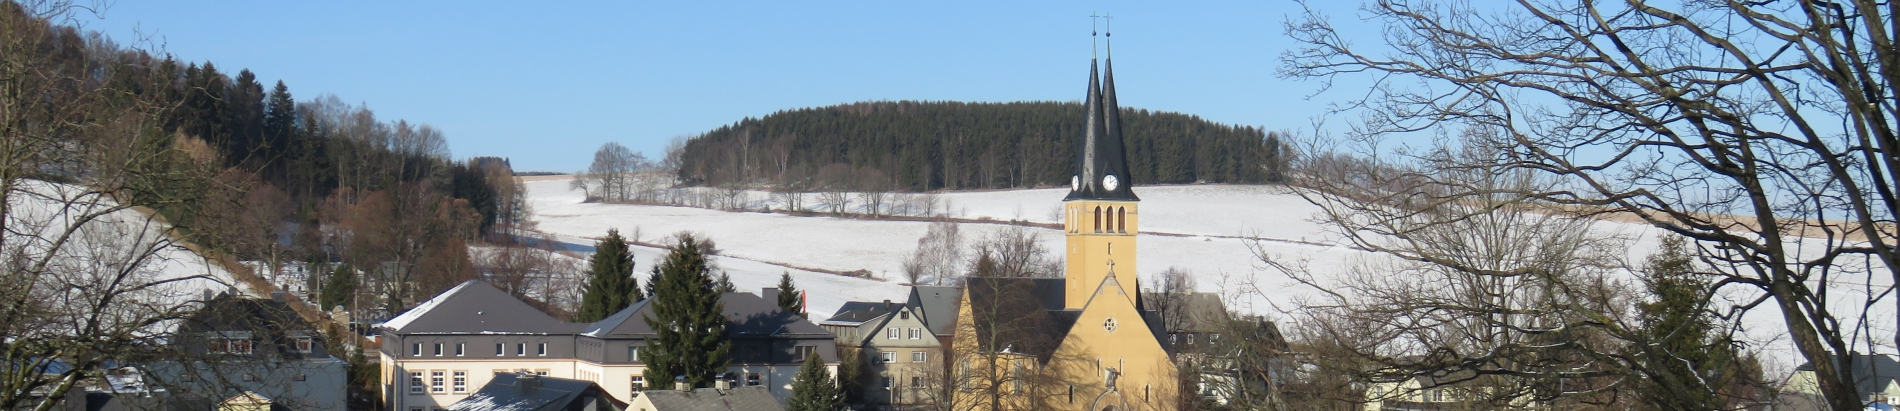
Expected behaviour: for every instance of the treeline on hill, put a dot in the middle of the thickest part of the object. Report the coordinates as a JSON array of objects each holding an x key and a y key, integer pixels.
[
  {"x": 921, "y": 146},
  {"x": 248, "y": 170}
]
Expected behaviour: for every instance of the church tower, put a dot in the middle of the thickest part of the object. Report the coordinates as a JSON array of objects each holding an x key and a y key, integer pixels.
[{"x": 1101, "y": 212}]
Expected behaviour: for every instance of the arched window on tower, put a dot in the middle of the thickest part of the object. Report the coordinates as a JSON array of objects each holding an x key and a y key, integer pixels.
[
  {"x": 1098, "y": 219},
  {"x": 1121, "y": 219}
]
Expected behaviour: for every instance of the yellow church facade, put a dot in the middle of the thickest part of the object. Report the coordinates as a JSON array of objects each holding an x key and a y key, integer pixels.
[{"x": 1082, "y": 341}]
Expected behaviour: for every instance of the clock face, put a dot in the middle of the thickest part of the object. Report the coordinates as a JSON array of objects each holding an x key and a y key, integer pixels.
[
  {"x": 1075, "y": 183},
  {"x": 1110, "y": 182}
]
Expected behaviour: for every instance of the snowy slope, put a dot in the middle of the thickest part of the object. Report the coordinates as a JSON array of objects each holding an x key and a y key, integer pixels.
[
  {"x": 96, "y": 249},
  {"x": 1199, "y": 228}
]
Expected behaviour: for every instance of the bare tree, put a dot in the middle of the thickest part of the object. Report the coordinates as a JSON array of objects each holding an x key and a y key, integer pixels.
[
  {"x": 610, "y": 176},
  {"x": 939, "y": 255},
  {"x": 1014, "y": 251},
  {"x": 1763, "y": 131}
]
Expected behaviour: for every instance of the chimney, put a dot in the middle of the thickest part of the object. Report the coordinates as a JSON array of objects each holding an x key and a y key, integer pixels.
[
  {"x": 723, "y": 384},
  {"x": 277, "y": 295},
  {"x": 679, "y": 383}
]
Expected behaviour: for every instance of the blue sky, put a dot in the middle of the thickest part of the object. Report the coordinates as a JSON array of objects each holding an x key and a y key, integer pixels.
[{"x": 546, "y": 83}]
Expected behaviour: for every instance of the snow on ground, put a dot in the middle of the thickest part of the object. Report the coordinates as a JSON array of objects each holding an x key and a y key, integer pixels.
[
  {"x": 91, "y": 245},
  {"x": 1198, "y": 228}
]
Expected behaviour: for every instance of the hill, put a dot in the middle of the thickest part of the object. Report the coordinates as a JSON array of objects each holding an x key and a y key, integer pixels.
[{"x": 920, "y": 146}]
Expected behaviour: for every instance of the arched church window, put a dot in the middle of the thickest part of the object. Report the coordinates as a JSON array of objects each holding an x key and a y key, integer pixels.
[
  {"x": 1098, "y": 219},
  {"x": 1121, "y": 219}
]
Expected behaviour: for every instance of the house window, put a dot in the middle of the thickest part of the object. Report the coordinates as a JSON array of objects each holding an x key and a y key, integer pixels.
[
  {"x": 918, "y": 356},
  {"x": 436, "y": 382},
  {"x": 916, "y": 333},
  {"x": 521, "y": 349},
  {"x": 241, "y": 346},
  {"x": 541, "y": 349},
  {"x": 415, "y": 382},
  {"x": 1190, "y": 339},
  {"x": 1071, "y": 393},
  {"x": 541, "y": 372},
  {"x": 639, "y": 383},
  {"x": 633, "y": 353},
  {"x": 415, "y": 350},
  {"x": 501, "y": 349},
  {"x": 887, "y": 383},
  {"x": 300, "y": 377},
  {"x": 415, "y": 409},
  {"x": 249, "y": 377},
  {"x": 304, "y": 344},
  {"x": 461, "y": 382},
  {"x": 800, "y": 352},
  {"x": 1213, "y": 338},
  {"x": 752, "y": 379},
  {"x": 891, "y": 333},
  {"x": 888, "y": 356},
  {"x": 903, "y": 315},
  {"x": 916, "y": 381},
  {"x": 438, "y": 349},
  {"x": 460, "y": 348}
]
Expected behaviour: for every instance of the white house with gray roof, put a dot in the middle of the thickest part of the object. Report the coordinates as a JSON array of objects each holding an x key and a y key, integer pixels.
[{"x": 438, "y": 352}]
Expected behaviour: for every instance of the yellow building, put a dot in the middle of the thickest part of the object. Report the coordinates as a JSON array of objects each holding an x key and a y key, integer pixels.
[{"x": 1083, "y": 341}]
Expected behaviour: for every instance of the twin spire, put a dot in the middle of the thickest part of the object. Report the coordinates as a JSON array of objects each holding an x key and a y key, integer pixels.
[{"x": 1101, "y": 169}]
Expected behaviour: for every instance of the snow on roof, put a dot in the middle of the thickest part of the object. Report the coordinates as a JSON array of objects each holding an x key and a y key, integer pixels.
[{"x": 423, "y": 309}]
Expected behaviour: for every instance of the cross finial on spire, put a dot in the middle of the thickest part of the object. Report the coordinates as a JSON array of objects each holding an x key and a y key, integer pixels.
[
  {"x": 1108, "y": 30},
  {"x": 1093, "y": 20}
]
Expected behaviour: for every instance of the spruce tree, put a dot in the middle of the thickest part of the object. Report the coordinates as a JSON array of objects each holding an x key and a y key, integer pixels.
[
  {"x": 610, "y": 284},
  {"x": 338, "y": 288},
  {"x": 688, "y": 319},
  {"x": 724, "y": 284},
  {"x": 813, "y": 389},
  {"x": 788, "y": 295},
  {"x": 1688, "y": 361}
]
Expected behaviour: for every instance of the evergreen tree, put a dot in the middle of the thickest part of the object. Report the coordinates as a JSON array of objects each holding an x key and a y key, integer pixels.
[
  {"x": 688, "y": 318},
  {"x": 724, "y": 284},
  {"x": 813, "y": 389},
  {"x": 610, "y": 283},
  {"x": 788, "y": 295},
  {"x": 1690, "y": 363},
  {"x": 339, "y": 288}
]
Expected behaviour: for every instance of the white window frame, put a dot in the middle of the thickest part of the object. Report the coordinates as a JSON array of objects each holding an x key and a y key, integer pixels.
[
  {"x": 438, "y": 349},
  {"x": 415, "y": 382},
  {"x": 501, "y": 349},
  {"x": 461, "y": 349},
  {"x": 415, "y": 350},
  {"x": 891, "y": 333},
  {"x": 919, "y": 356},
  {"x": 459, "y": 381},
  {"x": 916, "y": 333},
  {"x": 521, "y": 349},
  {"x": 887, "y": 356},
  {"x": 438, "y": 383},
  {"x": 638, "y": 383},
  {"x": 305, "y": 344},
  {"x": 541, "y": 349}
]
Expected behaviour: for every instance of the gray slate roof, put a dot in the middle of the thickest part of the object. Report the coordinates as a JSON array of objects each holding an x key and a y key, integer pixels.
[
  {"x": 938, "y": 306},
  {"x": 860, "y": 312},
  {"x": 474, "y": 307},
  {"x": 746, "y": 314},
  {"x": 512, "y": 392},
  {"x": 1871, "y": 373},
  {"x": 753, "y": 398}
]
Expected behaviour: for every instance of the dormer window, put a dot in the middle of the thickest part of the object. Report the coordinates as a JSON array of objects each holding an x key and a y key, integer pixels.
[{"x": 305, "y": 344}]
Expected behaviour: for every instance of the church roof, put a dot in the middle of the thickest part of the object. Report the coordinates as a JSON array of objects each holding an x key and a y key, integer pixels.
[
  {"x": 1102, "y": 152},
  {"x": 1025, "y": 315}
]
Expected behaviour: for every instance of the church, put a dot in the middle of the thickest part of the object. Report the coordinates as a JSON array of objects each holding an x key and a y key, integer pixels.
[{"x": 1083, "y": 341}]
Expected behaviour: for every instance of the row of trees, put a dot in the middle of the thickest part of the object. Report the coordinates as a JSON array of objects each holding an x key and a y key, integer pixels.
[{"x": 922, "y": 146}]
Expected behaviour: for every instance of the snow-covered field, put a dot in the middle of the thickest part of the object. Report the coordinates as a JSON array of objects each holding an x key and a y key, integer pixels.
[{"x": 1203, "y": 229}]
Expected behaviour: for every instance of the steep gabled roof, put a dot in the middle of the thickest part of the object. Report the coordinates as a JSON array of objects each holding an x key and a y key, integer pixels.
[
  {"x": 1019, "y": 315},
  {"x": 938, "y": 306},
  {"x": 474, "y": 307},
  {"x": 1101, "y": 151}
]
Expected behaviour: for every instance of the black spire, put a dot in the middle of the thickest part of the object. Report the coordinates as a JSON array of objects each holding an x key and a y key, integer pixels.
[{"x": 1102, "y": 157}]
